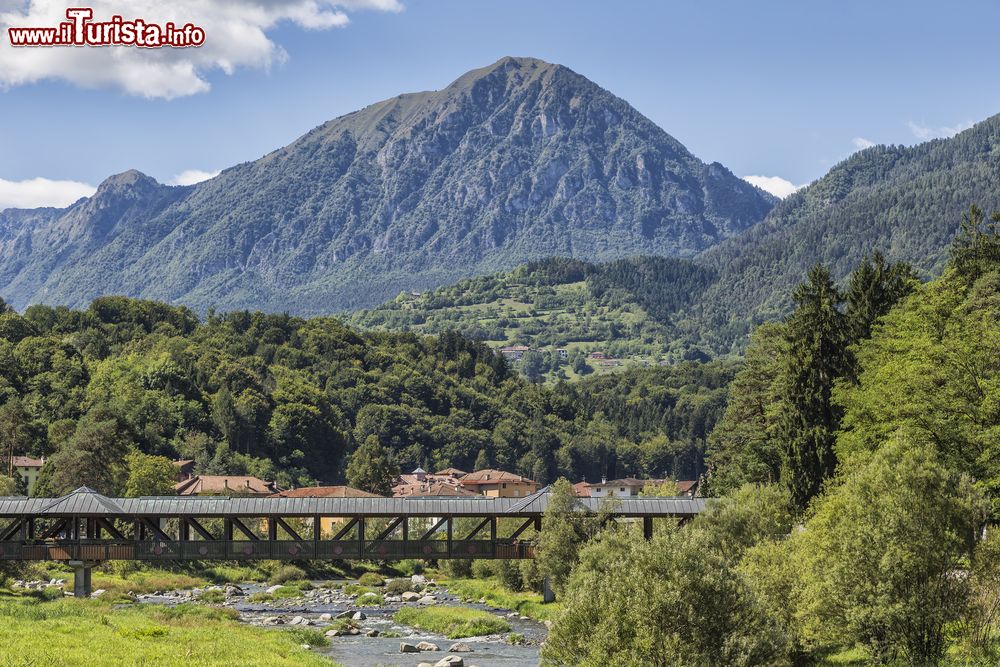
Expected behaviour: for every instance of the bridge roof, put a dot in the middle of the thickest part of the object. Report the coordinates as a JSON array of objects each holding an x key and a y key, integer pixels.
[{"x": 85, "y": 502}]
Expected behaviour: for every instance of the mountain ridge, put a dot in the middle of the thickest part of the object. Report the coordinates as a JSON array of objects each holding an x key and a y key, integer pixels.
[{"x": 516, "y": 161}]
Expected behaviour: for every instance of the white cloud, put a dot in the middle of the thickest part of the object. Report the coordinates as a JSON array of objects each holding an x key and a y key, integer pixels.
[
  {"x": 926, "y": 133},
  {"x": 236, "y": 36},
  {"x": 192, "y": 176},
  {"x": 37, "y": 192},
  {"x": 861, "y": 143},
  {"x": 777, "y": 186}
]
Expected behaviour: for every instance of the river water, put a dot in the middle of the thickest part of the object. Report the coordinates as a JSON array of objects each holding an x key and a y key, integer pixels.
[{"x": 378, "y": 651}]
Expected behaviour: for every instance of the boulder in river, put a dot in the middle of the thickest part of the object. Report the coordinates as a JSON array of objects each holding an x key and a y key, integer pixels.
[
  {"x": 410, "y": 596},
  {"x": 450, "y": 661},
  {"x": 408, "y": 648},
  {"x": 460, "y": 647},
  {"x": 428, "y": 599},
  {"x": 359, "y": 616},
  {"x": 427, "y": 646}
]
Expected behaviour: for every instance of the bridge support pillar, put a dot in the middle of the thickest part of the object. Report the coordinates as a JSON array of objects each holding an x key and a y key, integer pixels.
[
  {"x": 548, "y": 595},
  {"x": 82, "y": 582}
]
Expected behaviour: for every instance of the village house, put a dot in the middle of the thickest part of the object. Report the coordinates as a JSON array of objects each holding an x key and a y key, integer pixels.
[
  {"x": 630, "y": 486},
  {"x": 499, "y": 484},
  {"x": 27, "y": 469},
  {"x": 514, "y": 352},
  {"x": 224, "y": 485},
  {"x": 185, "y": 469}
]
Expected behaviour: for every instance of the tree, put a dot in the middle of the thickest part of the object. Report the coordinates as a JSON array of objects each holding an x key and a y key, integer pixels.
[
  {"x": 93, "y": 456},
  {"x": 976, "y": 247},
  {"x": 817, "y": 336},
  {"x": 565, "y": 527},
  {"x": 149, "y": 475},
  {"x": 744, "y": 447},
  {"x": 751, "y": 515},
  {"x": 533, "y": 366},
  {"x": 664, "y": 602},
  {"x": 8, "y": 486},
  {"x": 881, "y": 552},
  {"x": 372, "y": 468},
  {"x": 875, "y": 287},
  {"x": 17, "y": 433},
  {"x": 482, "y": 460}
]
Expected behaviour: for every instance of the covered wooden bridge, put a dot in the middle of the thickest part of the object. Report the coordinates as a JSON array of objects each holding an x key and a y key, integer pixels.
[{"x": 85, "y": 527}]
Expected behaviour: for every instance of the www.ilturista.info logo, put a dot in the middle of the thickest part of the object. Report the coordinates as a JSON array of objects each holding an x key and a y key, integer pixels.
[{"x": 81, "y": 30}]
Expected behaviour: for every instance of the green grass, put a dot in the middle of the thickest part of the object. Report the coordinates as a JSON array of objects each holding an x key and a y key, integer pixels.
[
  {"x": 526, "y": 604},
  {"x": 452, "y": 622},
  {"x": 212, "y": 597},
  {"x": 371, "y": 579},
  {"x": 88, "y": 633},
  {"x": 369, "y": 600}
]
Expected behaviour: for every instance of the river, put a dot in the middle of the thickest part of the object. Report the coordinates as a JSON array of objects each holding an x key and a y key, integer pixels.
[{"x": 319, "y": 607}]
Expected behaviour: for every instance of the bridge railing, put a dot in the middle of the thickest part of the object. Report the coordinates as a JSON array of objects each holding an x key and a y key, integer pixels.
[{"x": 163, "y": 550}]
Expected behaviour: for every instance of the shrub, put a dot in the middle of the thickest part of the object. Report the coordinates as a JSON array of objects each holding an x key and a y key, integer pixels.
[
  {"x": 287, "y": 573},
  {"x": 397, "y": 586},
  {"x": 371, "y": 579},
  {"x": 369, "y": 600},
  {"x": 482, "y": 569},
  {"x": 308, "y": 636},
  {"x": 457, "y": 568},
  {"x": 452, "y": 622},
  {"x": 213, "y": 596}
]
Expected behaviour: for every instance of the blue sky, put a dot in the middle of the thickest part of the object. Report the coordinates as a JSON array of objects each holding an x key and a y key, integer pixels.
[{"x": 780, "y": 89}]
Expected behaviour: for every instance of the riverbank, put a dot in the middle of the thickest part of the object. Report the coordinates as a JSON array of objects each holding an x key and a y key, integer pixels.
[{"x": 65, "y": 631}]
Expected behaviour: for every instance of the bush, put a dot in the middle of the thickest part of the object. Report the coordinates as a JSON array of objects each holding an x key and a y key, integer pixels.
[
  {"x": 398, "y": 586},
  {"x": 309, "y": 637},
  {"x": 457, "y": 568},
  {"x": 452, "y": 622},
  {"x": 482, "y": 569},
  {"x": 213, "y": 596},
  {"x": 369, "y": 600},
  {"x": 508, "y": 573},
  {"x": 287, "y": 573},
  {"x": 371, "y": 579}
]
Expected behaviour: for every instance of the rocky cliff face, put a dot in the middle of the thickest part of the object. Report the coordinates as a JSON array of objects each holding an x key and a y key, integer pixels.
[{"x": 516, "y": 161}]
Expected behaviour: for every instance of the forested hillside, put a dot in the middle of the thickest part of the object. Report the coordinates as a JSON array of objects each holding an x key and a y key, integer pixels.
[
  {"x": 291, "y": 399},
  {"x": 626, "y": 308},
  {"x": 903, "y": 201}
]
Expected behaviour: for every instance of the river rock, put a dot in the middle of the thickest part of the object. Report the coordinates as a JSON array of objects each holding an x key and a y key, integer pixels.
[
  {"x": 408, "y": 648},
  {"x": 450, "y": 661},
  {"x": 372, "y": 632},
  {"x": 427, "y": 646},
  {"x": 410, "y": 596},
  {"x": 334, "y": 633},
  {"x": 547, "y": 623},
  {"x": 359, "y": 616},
  {"x": 418, "y": 580},
  {"x": 326, "y": 617},
  {"x": 460, "y": 647},
  {"x": 424, "y": 664},
  {"x": 428, "y": 599}
]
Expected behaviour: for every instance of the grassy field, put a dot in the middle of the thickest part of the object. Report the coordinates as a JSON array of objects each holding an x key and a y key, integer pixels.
[
  {"x": 527, "y": 604},
  {"x": 452, "y": 622},
  {"x": 81, "y": 633}
]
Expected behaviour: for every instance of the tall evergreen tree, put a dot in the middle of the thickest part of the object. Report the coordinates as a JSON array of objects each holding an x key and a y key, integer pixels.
[
  {"x": 818, "y": 337},
  {"x": 876, "y": 286}
]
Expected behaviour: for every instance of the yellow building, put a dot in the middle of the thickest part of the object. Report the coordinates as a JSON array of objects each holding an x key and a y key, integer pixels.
[
  {"x": 498, "y": 484},
  {"x": 28, "y": 469}
]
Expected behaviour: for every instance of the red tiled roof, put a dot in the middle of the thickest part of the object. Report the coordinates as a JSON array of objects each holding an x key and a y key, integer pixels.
[
  {"x": 224, "y": 485},
  {"x": 581, "y": 490},
  {"x": 490, "y": 476},
  {"x": 28, "y": 462},
  {"x": 430, "y": 489},
  {"x": 451, "y": 472},
  {"x": 325, "y": 492}
]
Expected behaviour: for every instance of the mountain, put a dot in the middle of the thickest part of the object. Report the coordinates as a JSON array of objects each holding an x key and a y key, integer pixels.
[
  {"x": 905, "y": 201},
  {"x": 623, "y": 309},
  {"x": 513, "y": 162}
]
